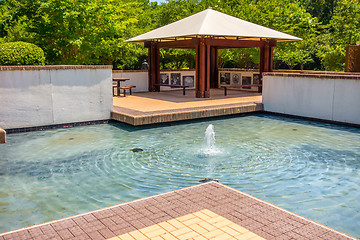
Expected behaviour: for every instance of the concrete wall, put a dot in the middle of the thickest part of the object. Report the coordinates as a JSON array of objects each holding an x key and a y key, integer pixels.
[
  {"x": 45, "y": 95},
  {"x": 139, "y": 78},
  {"x": 328, "y": 97}
]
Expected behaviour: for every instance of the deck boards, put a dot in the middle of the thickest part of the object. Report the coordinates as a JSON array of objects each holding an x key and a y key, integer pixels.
[{"x": 150, "y": 108}]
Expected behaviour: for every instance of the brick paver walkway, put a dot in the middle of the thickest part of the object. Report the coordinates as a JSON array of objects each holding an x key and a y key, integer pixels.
[{"x": 206, "y": 211}]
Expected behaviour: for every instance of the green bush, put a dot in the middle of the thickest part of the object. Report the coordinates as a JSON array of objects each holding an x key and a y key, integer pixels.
[{"x": 21, "y": 53}]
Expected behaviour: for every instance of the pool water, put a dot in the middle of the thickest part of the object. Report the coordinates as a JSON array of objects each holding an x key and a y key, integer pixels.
[{"x": 310, "y": 168}]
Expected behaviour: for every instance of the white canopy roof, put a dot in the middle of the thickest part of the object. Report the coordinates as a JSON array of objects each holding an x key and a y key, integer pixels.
[{"x": 211, "y": 23}]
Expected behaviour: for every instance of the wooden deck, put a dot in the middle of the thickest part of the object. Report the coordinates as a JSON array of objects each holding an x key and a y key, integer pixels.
[{"x": 168, "y": 106}]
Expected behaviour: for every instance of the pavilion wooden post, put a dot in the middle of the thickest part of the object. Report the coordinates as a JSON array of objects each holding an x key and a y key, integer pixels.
[
  {"x": 266, "y": 58},
  {"x": 214, "y": 83},
  {"x": 208, "y": 71},
  {"x": 154, "y": 66},
  {"x": 203, "y": 69}
]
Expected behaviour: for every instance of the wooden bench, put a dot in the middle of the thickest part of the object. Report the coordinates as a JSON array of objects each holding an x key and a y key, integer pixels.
[
  {"x": 240, "y": 86},
  {"x": 172, "y": 86},
  {"x": 127, "y": 88},
  {"x": 114, "y": 87}
]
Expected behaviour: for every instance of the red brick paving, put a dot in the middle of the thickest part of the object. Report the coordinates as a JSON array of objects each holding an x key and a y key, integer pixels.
[{"x": 260, "y": 218}]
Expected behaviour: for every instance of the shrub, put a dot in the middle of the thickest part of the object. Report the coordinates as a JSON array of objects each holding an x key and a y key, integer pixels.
[{"x": 21, "y": 53}]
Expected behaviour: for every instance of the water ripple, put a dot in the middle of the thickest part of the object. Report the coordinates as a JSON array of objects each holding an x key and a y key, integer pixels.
[{"x": 313, "y": 170}]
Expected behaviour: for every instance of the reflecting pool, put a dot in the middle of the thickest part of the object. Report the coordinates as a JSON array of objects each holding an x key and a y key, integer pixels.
[{"x": 310, "y": 168}]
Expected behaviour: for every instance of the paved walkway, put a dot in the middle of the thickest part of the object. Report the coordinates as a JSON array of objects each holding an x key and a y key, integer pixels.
[
  {"x": 166, "y": 106},
  {"x": 206, "y": 211}
]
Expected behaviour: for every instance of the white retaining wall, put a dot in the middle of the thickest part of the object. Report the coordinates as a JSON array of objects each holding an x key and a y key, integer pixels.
[
  {"x": 137, "y": 78},
  {"x": 45, "y": 95},
  {"x": 140, "y": 78},
  {"x": 327, "y": 97}
]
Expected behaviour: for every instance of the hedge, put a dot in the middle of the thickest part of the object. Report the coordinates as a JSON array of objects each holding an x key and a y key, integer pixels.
[{"x": 21, "y": 53}]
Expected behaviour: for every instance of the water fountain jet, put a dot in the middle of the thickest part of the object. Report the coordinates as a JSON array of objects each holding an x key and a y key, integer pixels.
[{"x": 208, "y": 147}]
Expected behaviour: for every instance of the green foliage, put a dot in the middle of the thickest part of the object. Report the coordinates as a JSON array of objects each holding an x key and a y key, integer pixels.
[
  {"x": 293, "y": 56},
  {"x": 21, "y": 53},
  {"x": 333, "y": 57},
  {"x": 93, "y": 31},
  {"x": 177, "y": 59},
  {"x": 239, "y": 58},
  {"x": 343, "y": 30},
  {"x": 321, "y": 9}
]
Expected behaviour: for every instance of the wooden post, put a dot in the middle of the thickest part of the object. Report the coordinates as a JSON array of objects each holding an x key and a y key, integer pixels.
[
  {"x": 203, "y": 66},
  {"x": 157, "y": 67},
  {"x": 154, "y": 66},
  {"x": 207, "y": 69},
  {"x": 271, "y": 56},
  {"x": 201, "y": 69},
  {"x": 266, "y": 58},
  {"x": 197, "y": 72},
  {"x": 214, "y": 81},
  {"x": 262, "y": 55}
]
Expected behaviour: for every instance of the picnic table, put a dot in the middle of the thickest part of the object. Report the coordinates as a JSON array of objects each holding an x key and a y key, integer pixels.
[{"x": 124, "y": 88}]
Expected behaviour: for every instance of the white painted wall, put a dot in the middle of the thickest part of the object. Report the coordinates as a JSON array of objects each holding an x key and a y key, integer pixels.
[
  {"x": 44, "y": 97},
  {"x": 334, "y": 99},
  {"x": 137, "y": 78}
]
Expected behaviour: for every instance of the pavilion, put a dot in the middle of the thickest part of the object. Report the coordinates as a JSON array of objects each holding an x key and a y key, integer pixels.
[{"x": 208, "y": 31}]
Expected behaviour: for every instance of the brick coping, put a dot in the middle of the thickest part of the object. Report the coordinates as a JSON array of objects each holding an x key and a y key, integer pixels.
[
  {"x": 138, "y": 113},
  {"x": 162, "y": 70},
  {"x": 264, "y": 219},
  {"x": 53, "y": 67},
  {"x": 325, "y": 75},
  {"x": 138, "y": 118}
]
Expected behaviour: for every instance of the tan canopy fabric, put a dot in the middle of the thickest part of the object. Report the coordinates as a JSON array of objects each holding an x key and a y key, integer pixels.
[{"x": 211, "y": 23}]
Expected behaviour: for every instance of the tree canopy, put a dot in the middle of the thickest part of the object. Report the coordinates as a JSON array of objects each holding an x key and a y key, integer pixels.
[{"x": 93, "y": 31}]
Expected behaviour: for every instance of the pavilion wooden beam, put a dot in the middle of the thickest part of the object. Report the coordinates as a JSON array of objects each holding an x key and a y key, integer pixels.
[
  {"x": 232, "y": 43},
  {"x": 190, "y": 43},
  {"x": 219, "y": 43}
]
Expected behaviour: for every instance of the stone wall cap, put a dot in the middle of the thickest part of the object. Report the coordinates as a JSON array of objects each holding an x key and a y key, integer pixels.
[{"x": 53, "y": 67}]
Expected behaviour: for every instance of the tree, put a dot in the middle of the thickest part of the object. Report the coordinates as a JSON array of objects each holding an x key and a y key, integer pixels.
[
  {"x": 321, "y": 9},
  {"x": 93, "y": 32},
  {"x": 342, "y": 30}
]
